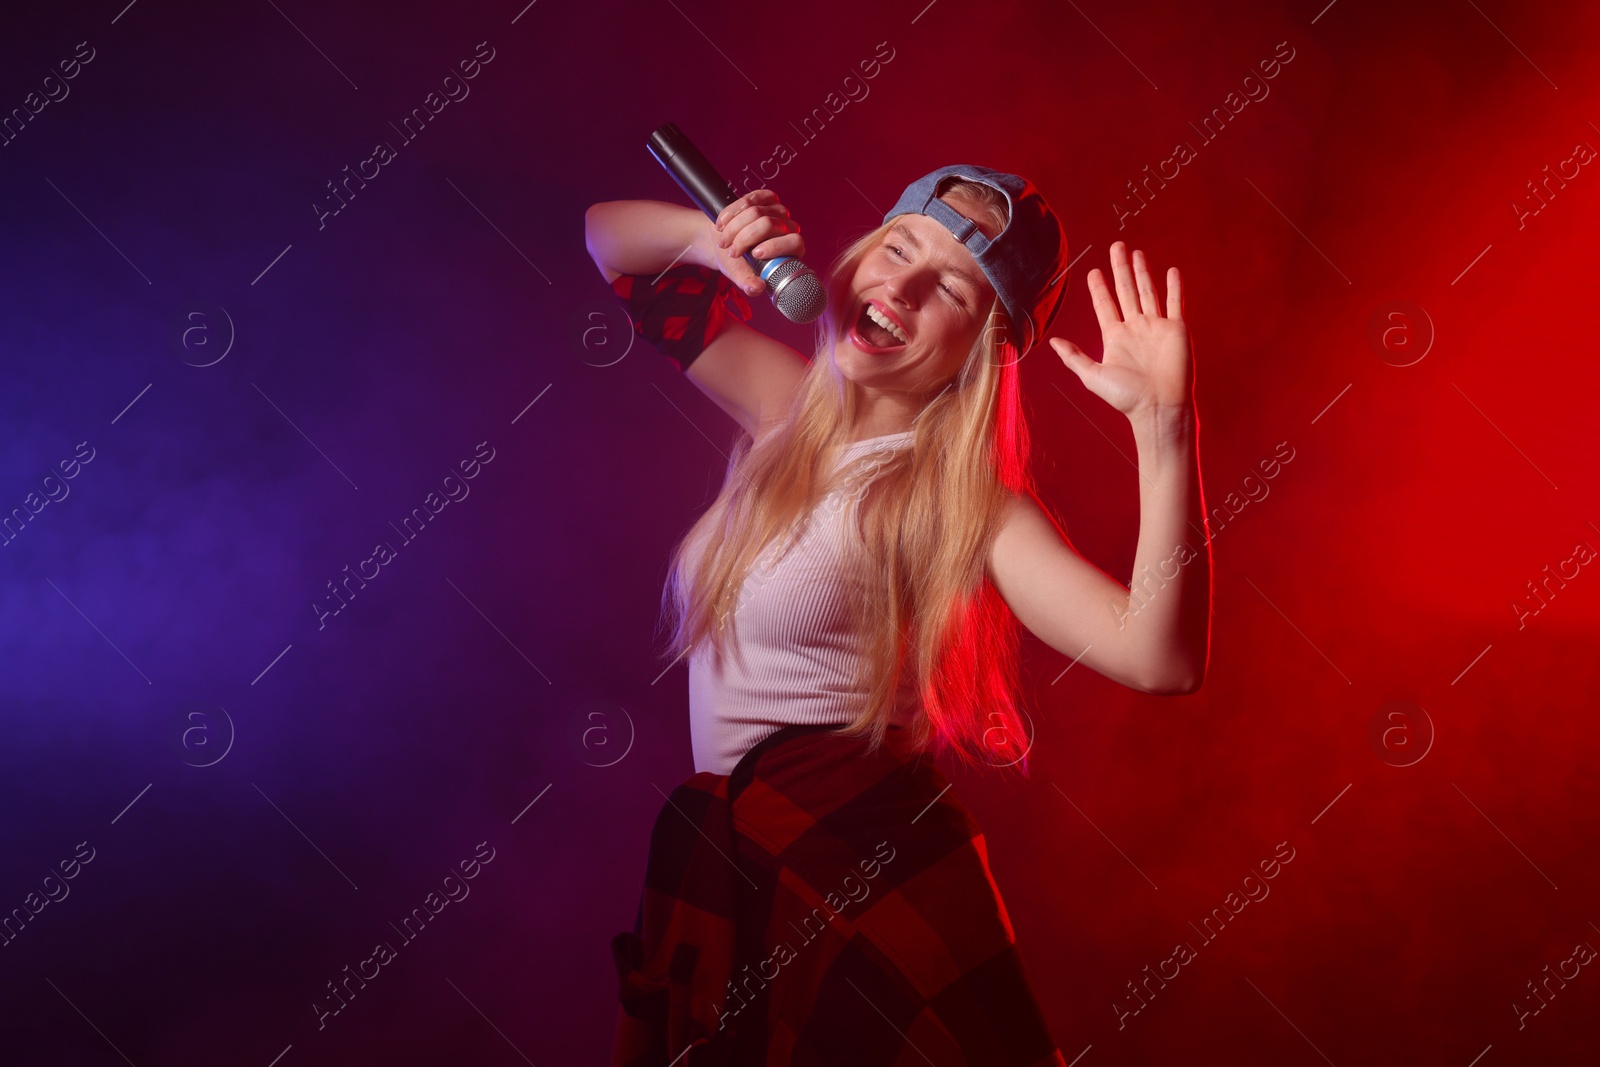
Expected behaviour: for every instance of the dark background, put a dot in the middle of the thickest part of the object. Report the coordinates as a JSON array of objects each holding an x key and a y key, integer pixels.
[{"x": 264, "y": 797}]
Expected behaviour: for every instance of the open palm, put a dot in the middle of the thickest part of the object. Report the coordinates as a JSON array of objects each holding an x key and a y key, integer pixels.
[{"x": 1145, "y": 361}]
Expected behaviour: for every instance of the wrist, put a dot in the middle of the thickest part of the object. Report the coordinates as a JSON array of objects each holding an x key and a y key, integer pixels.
[
  {"x": 696, "y": 232},
  {"x": 1164, "y": 420}
]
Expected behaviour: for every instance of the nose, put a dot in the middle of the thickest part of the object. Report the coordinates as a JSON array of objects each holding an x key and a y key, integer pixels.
[{"x": 904, "y": 287}]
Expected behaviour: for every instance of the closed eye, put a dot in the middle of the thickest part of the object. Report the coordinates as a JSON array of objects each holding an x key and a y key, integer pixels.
[{"x": 951, "y": 293}]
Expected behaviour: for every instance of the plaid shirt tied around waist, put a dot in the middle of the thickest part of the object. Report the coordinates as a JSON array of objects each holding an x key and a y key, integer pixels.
[{"x": 822, "y": 906}]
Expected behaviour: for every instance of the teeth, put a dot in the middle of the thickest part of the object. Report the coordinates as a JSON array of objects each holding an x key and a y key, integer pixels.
[{"x": 883, "y": 320}]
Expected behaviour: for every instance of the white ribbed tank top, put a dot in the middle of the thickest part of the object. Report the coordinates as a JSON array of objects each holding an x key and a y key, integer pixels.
[{"x": 798, "y": 646}]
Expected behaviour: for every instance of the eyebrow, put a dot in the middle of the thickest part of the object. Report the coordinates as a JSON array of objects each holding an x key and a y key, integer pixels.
[{"x": 916, "y": 242}]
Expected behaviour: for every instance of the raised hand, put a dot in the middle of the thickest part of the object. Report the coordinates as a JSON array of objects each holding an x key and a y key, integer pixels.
[
  {"x": 756, "y": 223},
  {"x": 1145, "y": 360}
]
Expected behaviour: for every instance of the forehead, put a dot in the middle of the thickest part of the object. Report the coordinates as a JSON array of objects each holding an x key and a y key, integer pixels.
[{"x": 931, "y": 240}]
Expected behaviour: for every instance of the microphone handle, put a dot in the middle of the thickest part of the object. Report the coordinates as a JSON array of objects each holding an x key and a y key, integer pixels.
[
  {"x": 700, "y": 182},
  {"x": 692, "y": 171}
]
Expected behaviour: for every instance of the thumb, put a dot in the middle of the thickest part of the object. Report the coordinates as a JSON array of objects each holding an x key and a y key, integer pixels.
[
  {"x": 1077, "y": 360},
  {"x": 745, "y": 278}
]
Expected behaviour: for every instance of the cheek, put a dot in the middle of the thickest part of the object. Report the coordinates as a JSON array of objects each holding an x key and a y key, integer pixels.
[
  {"x": 946, "y": 360},
  {"x": 961, "y": 333},
  {"x": 963, "y": 339}
]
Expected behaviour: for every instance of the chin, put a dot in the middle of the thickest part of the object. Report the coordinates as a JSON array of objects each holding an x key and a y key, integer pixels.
[
  {"x": 861, "y": 366},
  {"x": 874, "y": 372}
]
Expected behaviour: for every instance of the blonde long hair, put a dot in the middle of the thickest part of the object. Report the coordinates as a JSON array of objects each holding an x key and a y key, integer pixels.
[{"x": 927, "y": 518}]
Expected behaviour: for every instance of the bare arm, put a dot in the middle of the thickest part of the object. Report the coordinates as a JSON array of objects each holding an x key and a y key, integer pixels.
[
  {"x": 749, "y": 375},
  {"x": 1154, "y": 637},
  {"x": 642, "y": 236}
]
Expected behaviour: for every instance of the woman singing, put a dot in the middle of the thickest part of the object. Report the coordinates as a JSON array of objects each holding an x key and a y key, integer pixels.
[{"x": 848, "y": 605}]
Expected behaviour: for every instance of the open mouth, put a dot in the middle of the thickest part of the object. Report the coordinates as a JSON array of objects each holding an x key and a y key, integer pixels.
[{"x": 874, "y": 333}]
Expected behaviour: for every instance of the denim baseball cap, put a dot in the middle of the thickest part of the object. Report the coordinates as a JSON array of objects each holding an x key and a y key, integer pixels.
[{"x": 1026, "y": 262}]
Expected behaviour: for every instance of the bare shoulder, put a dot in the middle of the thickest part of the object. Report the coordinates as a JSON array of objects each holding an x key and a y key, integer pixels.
[
  {"x": 1029, "y": 542},
  {"x": 1023, "y": 515},
  {"x": 749, "y": 375}
]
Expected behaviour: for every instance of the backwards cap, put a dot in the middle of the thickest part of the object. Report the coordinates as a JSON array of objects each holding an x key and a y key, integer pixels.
[{"x": 1026, "y": 262}]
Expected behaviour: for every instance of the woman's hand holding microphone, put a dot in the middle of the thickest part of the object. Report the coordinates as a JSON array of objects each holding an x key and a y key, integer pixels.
[{"x": 756, "y": 223}]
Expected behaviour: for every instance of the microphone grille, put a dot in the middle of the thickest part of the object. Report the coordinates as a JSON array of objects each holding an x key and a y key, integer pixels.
[{"x": 797, "y": 291}]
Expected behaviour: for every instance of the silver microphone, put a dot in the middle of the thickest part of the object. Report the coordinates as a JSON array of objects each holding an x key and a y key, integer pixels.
[{"x": 796, "y": 290}]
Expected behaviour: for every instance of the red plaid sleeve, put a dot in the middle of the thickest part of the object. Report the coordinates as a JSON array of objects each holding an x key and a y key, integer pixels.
[{"x": 681, "y": 310}]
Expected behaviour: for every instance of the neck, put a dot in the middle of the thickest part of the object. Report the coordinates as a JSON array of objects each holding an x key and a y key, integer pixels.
[{"x": 879, "y": 413}]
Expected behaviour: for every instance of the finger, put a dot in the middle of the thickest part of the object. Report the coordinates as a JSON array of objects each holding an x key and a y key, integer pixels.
[
  {"x": 1149, "y": 302},
  {"x": 738, "y": 214},
  {"x": 752, "y": 214},
  {"x": 1077, "y": 360},
  {"x": 1127, "y": 295},
  {"x": 788, "y": 244},
  {"x": 1105, "y": 307},
  {"x": 727, "y": 217},
  {"x": 739, "y": 234},
  {"x": 1174, "y": 293},
  {"x": 728, "y": 212},
  {"x": 740, "y": 239},
  {"x": 744, "y": 277}
]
